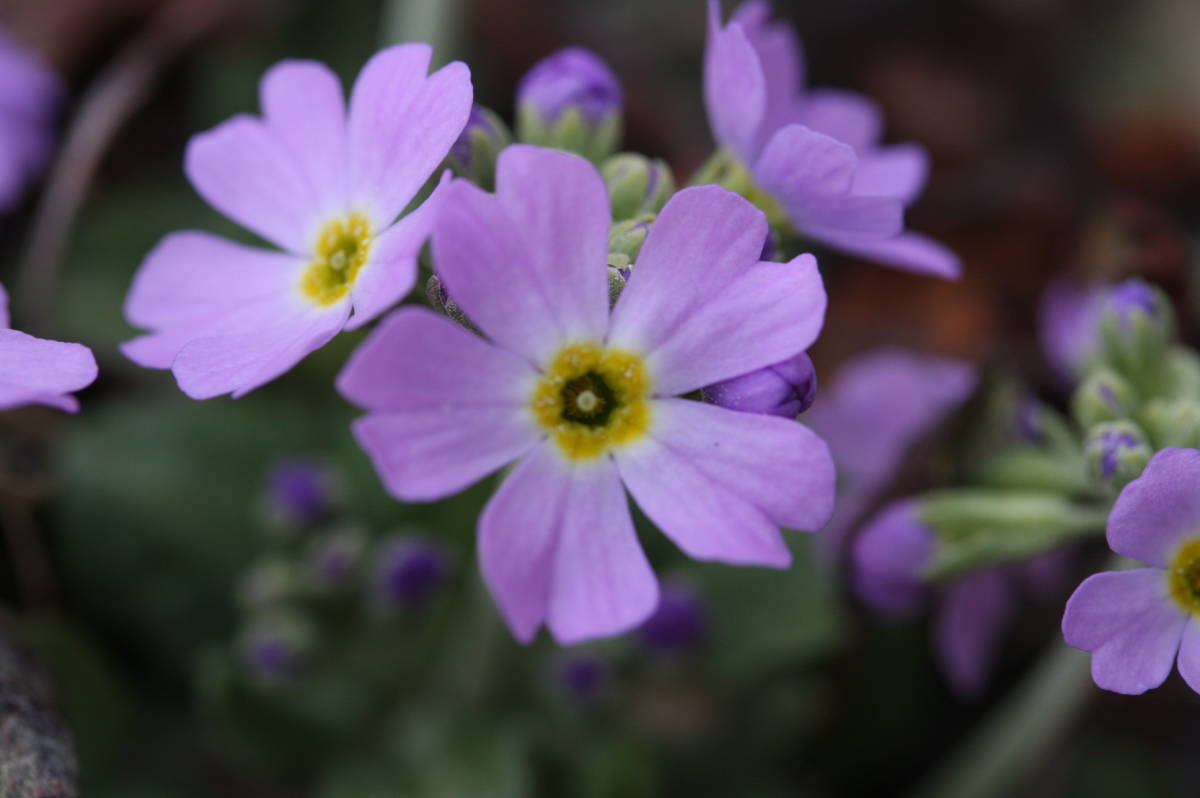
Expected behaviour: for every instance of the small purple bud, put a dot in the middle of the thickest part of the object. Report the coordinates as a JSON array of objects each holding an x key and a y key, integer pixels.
[
  {"x": 335, "y": 559},
  {"x": 478, "y": 123},
  {"x": 300, "y": 491},
  {"x": 680, "y": 623},
  {"x": 583, "y": 677},
  {"x": 408, "y": 572},
  {"x": 1131, "y": 297},
  {"x": 571, "y": 78},
  {"x": 1118, "y": 452},
  {"x": 1110, "y": 445},
  {"x": 786, "y": 389},
  {"x": 274, "y": 650}
]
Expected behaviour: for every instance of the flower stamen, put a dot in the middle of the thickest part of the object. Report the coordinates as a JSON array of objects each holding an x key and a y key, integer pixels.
[
  {"x": 341, "y": 250},
  {"x": 1184, "y": 576}
]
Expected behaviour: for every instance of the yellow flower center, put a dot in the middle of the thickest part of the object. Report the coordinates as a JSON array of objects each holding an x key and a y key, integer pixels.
[
  {"x": 591, "y": 399},
  {"x": 341, "y": 251},
  {"x": 1184, "y": 576}
]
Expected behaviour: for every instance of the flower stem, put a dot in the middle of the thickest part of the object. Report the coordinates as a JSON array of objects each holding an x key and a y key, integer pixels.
[
  {"x": 434, "y": 21},
  {"x": 996, "y": 759}
]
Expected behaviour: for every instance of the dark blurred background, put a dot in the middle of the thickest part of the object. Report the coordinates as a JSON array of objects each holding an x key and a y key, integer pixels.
[{"x": 1065, "y": 136}]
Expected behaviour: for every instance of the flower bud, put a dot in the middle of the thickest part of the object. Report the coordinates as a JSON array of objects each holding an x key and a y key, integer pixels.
[
  {"x": 637, "y": 185},
  {"x": 408, "y": 571},
  {"x": 786, "y": 389},
  {"x": 1103, "y": 396},
  {"x": 679, "y": 625},
  {"x": 267, "y": 584},
  {"x": 474, "y": 154},
  {"x": 442, "y": 302},
  {"x": 300, "y": 492},
  {"x": 1117, "y": 452},
  {"x": 275, "y": 648},
  {"x": 570, "y": 100},
  {"x": 334, "y": 559},
  {"x": 617, "y": 276},
  {"x": 1136, "y": 329},
  {"x": 625, "y": 241},
  {"x": 584, "y": 677},
  {"x": 1173, "y": 422}
]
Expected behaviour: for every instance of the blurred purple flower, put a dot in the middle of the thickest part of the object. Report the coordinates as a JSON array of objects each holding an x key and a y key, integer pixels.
[
  {"x": 814, "y": 153},
  {"x": 586, "y": 399},
  {"x": 1069, "y": 324},
  {"x": 679, "y": 624},
  {"x": 274, "y": 650},
  {"x": 335, "y": 559},
  {"x": 300, "y": 491},
  {"x": 584, "y": 677},
  {"x": 571, "y": 78},
  {"x": 1137, "y": 623},
  {"x": 972, "y": 610},
  {"x": 35, "y": 371},
  {"x": 785, "y": 389},
  {"x": 408, "y": 571},
  {"x": 30, "y": 94},
  {"x": 324, "y": 183},
  {"x": 881, "y": 403}
]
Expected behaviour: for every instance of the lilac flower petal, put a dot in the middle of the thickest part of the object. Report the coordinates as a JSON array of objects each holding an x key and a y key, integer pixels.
[
  {"x": 769, "y": 313},
  {"x": 5, "y": 323},
  {"x": 849, "y": 117},
  {"x": 241, "y": 168},
  {"x": 851, "y": 215},
  {"x": 602, "y": 583},
  {"x": 556, "y": 543},
  {"x": 1069, "y": 323},
  {"x": 391, "y": 267},
  {"x": 194, "y": 285},
  {"x": 969, "y": 627},
  {"x": 303, "y": 107},
  {"x": 896, "y": 171},
  {"x": 560, "y": 203},
  {"x": 1131, "y": 626},
  {"x": 911, "y": 252},
  {"x": 485, "y": 264},
  {"x": 781, "y": 57},
  {"x": 800, "y": 165},
  {"x": 707, "y": 227},
  {"x": 719, "y": 482},
  {"x": 735, "y": 90},
  {"x": 416, "y": 360},
  {"x": 1159, "y": 509},
  {"x": 888, "y": 555},
  {"x": 37, "y": 371},
  {"x": 1189, "y": 655},
  {"x": 239, "y": 362},
  {"x": 401, "y": 125}
]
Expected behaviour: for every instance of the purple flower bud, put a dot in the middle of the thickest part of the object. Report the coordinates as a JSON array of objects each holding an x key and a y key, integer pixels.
[
  {"x": 300, "y": 491},
  {"x": 1109, "y": 446},
  {"x": 786, "y": 389},
  {"x": 479, "y": 123},
  {"x": 583, "y": 677},
  {"x": 334, "y": 559},
  {"x": 571, "y": 78},
  {"x": 1131, "y": 297},
  {"x": 409, "y": 570},
  {"x": 274, "y": 650},
  {"x": 680, "y": 623}
]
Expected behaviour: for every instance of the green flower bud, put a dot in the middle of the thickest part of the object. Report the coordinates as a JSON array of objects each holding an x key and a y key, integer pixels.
[
  {"x": 1173, "y": 422},
  {"x": 1182, "y": 374},
  {"x": 1103, "y": 396},
  {"x": 637, "y": 185},
  {"x": 571, "y": 100},
  {"x": 625, "y": 241},
  {"x": 1136, "y": 329},
  {"x": 1117, "y": 452},
  {"x": 268, "y": 583},
  {"x": 276, "y": 648},
  {"x": 617, "y": 276},
  {"x": 474, "y": 154}
]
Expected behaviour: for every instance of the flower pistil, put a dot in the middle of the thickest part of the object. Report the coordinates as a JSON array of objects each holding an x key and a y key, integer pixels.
[{"x": 341, "y": 250}]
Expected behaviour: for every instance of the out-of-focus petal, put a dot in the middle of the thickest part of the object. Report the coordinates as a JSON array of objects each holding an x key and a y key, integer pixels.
[
  {"x": 735, "y": 90},
  {"x": 888, "y": 556},
  {"x": 911, "y": 252},
  {"x": 37, "y": 371},
  {"x": 969, "y": 626}
]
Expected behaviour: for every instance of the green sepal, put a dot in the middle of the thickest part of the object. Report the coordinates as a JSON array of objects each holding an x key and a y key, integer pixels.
[
  {"x": 1104, "y": 395},
  {"x": 1115, "y": 466},
  {"x": 637, "y": 185},
  {"x": 1172, "y": 422},
  {"x": 480, "y": 167},
  {"x": 570, "y": 132},
  {"x": 1136, "y": 344}
]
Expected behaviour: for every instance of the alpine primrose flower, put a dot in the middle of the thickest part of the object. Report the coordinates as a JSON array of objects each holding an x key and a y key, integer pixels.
[
  {"x": 34, "y": 371},
  {"x": 30, "y": 94},
  {"x": 812, "y": 158},
  {"x": 1136, "y": 623},
  {"x": 325, "y": 184},
  {"x": 586, "y": 400}
]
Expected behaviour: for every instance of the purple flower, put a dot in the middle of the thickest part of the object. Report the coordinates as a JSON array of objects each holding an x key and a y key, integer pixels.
[
  {"x": 881, "y": 403},
  {"x": 300, "y": 491},
  {"x": 585, "y": 399},
  {"x": 584, "y": 677},
  {"x": 334, "y": 559},
  {"x": 570, "y": 78},
  {"x": 972, "y": 610},
  {"x": 813, "y": 156},
  {"x": 29, "y": 98},
  {"x": 785, "y": 389},
  {"x": 324, "y": 183},
  {"x": 679, "y": 624},
  {"x": 1069, "y": 324},
  {"x": 275, "y": 649},
  {"x": 408, "y": 572},
  {"x": 1132, "y": 297},
  {"x": 34, "y": 371},
  {"x": 1136, "y": 623}
]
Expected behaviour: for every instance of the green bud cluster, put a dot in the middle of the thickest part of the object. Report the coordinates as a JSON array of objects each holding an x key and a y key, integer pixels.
[
  {"x": 570, "y": 132},
  {"x": 637, "y": 185}
]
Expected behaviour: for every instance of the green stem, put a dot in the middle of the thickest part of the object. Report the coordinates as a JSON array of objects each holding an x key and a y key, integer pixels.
[{"x": 432, "y": 21}]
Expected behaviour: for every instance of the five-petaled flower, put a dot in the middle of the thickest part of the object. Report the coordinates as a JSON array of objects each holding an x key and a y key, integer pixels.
[
  {"x": 324, "y": 183},
  {"x": 34, "y": 371},
  {"x": 587, "y": 400},
  {"x": 1138, "y": 622},
  {"x": 812, "y": 158}
]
